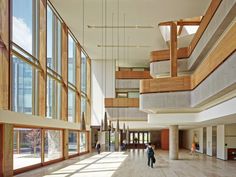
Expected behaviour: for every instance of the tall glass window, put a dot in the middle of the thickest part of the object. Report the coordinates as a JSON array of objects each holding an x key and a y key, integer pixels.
[
  {"x": 27, "y": 147},
  {"x": 83, "y": 105},
  {"x": 22, "y": 86},
  {"x": 53, "y": 41},
  {"x": 53, "y": 145},
  {"x": 53, "y": 64},
  {"x": 131, "y": 137},
  {"x": 83, "y": 73},
  {"x": 25, "y": 25},
  {"x": 140, "y": 138},
  {"x": 71, "y": 106},
  {"x": 73, "y": 142},
  {"x": 53, "y": 98},
  {"x": 25, "y": 44},
  {"x": 71, "y": 60},
  {"x": 83, "y": 146}
]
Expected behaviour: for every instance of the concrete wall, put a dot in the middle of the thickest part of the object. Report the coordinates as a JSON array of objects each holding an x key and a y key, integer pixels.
[
  {"x": 193, "y": 134},
  {"x": 221, "y": 154},
  {"x": 127, "y": 83},
  {"x": 209, "y": 141},
  {"x": 102, "y": 85}
]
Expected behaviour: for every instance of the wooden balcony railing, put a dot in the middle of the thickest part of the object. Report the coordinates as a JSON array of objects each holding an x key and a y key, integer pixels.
[
  {"x": 121, "y": 102},
  {"x": 133, "y": 75}
]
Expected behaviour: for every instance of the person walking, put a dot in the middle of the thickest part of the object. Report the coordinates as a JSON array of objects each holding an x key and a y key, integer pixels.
[
  {"x": 150, "y": 153},
  {"x": 98, "y": 147}
]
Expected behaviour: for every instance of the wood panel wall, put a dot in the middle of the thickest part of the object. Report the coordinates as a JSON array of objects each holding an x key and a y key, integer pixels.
[
  {"x": 121, "y": 102},
  {"x": 165, "y": 139}
]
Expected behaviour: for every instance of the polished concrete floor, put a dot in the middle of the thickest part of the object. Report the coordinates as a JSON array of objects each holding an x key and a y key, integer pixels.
[{"x": 134, "y": 164}]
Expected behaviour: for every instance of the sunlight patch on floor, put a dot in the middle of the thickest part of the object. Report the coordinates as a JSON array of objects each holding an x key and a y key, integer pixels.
[{"x": 100, "y": 165}]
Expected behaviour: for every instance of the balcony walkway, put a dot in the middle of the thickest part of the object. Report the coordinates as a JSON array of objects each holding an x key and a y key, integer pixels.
[{"x": 133, "y": 164}]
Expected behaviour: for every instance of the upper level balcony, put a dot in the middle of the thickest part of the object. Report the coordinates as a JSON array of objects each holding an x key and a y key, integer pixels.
[{"x": 208, "y": 65}]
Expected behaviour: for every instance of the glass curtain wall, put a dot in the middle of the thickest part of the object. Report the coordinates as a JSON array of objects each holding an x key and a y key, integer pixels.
[
  {"x": 26, "y": 147},
  {"x": 83, "y": 142},
  {"x": 24, "y": 48},
  {"x": 53, "y": 145},
  {"x": 53, "y": 65},
  {"x": 71, "y": 78},
  {"x": 73, "y": 143}
]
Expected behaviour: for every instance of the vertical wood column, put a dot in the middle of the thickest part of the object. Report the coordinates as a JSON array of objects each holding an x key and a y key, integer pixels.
[
  {"x": 64, "y": 63},
  {"x": 78, "y": 84},
  {"x": 173, "y": 49},
  {"x": 42, "y": 77},
  {"x": 65, "y": 144},
  {"x": 5, "y": 54},
  {"x": 88, "y": 121},
  {"x": 6, "y": 156}
]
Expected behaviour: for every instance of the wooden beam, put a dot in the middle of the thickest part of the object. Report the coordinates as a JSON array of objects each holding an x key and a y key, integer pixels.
[
  {"x": 173, "y": 50},
  {"x": 133, "y": 75},
  {"x": 78, "y": 84},
  {"x": 88, "y": 91},
  {"x": 6, "y": 158},
  {"x": 42, "y": 77},
  {"x": 183, "y": 23},
  {"x": 65, "y": 144},
  {"x": 5, "y": 55},
  {"x": 180, "y": 28},
  {"x": 64, "y": 73}
]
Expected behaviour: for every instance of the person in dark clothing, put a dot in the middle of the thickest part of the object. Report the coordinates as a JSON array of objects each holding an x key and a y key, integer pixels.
[
  {"x": 98, "y": 147},
  {"x": 150, "y": 153}
]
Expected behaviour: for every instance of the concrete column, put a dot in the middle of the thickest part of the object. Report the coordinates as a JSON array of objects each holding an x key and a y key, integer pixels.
[{"x": 174, "y": 142}]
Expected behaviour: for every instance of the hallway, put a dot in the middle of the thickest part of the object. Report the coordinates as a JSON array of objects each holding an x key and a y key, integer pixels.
[{"x": 133, "y": 164}]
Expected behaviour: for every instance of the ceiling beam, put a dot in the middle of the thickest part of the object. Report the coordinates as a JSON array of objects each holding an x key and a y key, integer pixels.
[{"x": 179, "y": 23}]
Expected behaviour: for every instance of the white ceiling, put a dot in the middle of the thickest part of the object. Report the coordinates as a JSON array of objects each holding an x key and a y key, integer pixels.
[{"x": 131, "y": 13}]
